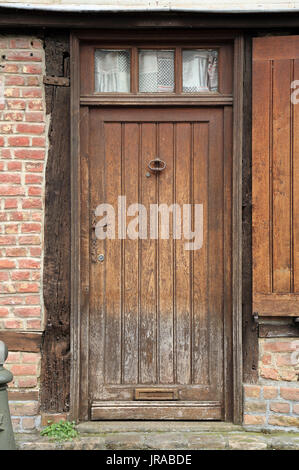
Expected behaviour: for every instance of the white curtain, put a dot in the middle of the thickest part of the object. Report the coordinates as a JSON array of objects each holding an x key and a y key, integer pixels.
[
  {"x": 112, "y": 71},
  {"x": 200, "y": 71},
  {"x": 156, "y": 71}
]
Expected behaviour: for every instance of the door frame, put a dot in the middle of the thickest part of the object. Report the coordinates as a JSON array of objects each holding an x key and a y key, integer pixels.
[{"x": 80, "y": 289}]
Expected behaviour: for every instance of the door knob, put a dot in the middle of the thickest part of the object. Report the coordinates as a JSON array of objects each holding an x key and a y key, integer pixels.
[{"x": 157, "y": 165}]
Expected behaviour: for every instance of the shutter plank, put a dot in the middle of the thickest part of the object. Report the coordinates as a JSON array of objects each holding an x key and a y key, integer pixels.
[
  {"x": 281, "y": 198},
  {"x": 260, "y": 176}
]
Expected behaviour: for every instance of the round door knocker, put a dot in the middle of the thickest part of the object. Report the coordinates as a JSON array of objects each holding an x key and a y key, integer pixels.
[{"x": 157, "y": 165}]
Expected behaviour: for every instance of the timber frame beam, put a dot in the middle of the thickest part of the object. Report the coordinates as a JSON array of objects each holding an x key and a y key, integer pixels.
[{"x": 12, "y": 17}]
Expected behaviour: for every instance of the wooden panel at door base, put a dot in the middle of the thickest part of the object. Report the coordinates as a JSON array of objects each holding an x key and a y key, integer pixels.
[{"x": 156, "y": 410}]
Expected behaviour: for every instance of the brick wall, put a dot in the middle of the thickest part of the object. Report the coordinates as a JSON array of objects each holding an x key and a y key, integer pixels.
[
  {"x": 274, "y": 402},
  {"x": 23, "y": 152}
]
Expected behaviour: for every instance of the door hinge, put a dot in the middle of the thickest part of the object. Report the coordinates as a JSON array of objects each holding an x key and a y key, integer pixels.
[{"x": 56, "y": 81}]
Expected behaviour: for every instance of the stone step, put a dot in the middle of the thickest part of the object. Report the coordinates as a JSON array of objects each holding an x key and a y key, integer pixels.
[{"x": 168, "y": 439}]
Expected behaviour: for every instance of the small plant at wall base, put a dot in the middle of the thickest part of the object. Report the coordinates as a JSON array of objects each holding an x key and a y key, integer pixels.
[{"x": 62, "y": 431}]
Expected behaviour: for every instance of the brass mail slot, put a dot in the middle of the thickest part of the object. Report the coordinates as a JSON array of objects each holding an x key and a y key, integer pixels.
[{"x": 156, "y": 394}]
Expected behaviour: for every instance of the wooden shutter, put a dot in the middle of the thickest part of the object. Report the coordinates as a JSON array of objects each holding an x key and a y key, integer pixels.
[{"x": 275, "y": 177}]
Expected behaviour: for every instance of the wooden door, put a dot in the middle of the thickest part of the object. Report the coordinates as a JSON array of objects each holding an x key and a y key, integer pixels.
[{"x": 159, "y": 326}]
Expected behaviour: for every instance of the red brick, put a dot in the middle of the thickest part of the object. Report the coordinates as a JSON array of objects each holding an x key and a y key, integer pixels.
[
  {"x": 11, "y": 191},
  {"x": 19, "y": 43},
  {"x": 30, "y": 154},
  {"x": 10, "y": 178},
  {"x": 3, "y": 277},
  {"x": 12, "y": 92},
  {"x": 34, "y": 324},
  {"x": 269, "y": 373},
  {"x": 33, "y": 179},
  {"x": 270, "y": 392},
  {"x": 38, "y": 141},
  {"x": 27, "y": 382},
  {"x": 290, "y": 393},
  {"x": 20, "y": 276},
  {"x": 4, "y": 312},
  {"x": 28, "y": 287},
  {"x": 34, "y": 117},
  {"x": 33, "y": 81},
  {"x": 17, "y": 116},
  {"x": 32, "y": 69},
  {"x": 279, "y": 407},
  {"x": 7, "y": 264},
  {"x": 15, "y": 252},
  {"x": 29, "y": 240},
  {"x": 6, "y": 128},
  {"x": 13, "y": 324},
  {"x": 32, "y": 93},
  {"x": 31, "y": 358},
  {"x": 30, "y": 128},
  {"x": 18, "y": 141},
  {"x": 16, "y": 166},
  {"x": 7, "y": 240},
  {"x": 36, "y": 105},
  {"x": 255, "y": 420},
  {"x": 27, "y": 311},
  {"x": 252, "y": 391},
  {"x": 35, "y": 252},
  {"x": 31, "y": 228},
  {"x": 14, "y": 80},
  {"x": 11, "y": 68},
  {"x": 32, "y": 203},
  {"x": 12, "y": 228},
  {"x": 24, "y": 408},
  {"x": 6, "y": 300},
  {"x": 11, "y": 204},
  {"x": 2, "y": 142},
  {"x": 16, "y": 104},
  {"x": 29, "y": 264},
  {"x": 34, "y": 191},
  {"x": 32, "y": 300},
  {"x": 296, "y": 409},
  {"x": 35, "y": 167},
  {"x": 279, "y": 346}
]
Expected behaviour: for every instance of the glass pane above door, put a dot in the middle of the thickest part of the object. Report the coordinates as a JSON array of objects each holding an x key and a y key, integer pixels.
[
  {"x": 200, "y": 70},
  {"x": 156, "y": 71},
  {"x": 112, "y": 71}
]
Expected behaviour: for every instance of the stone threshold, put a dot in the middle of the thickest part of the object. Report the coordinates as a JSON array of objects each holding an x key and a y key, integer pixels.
[{"x": 152, "y": 435}]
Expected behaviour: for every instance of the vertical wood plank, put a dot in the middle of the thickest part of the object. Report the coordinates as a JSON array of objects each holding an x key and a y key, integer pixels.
[
  {"x": 182, "y": 265},
  {"x": 262, "y": 268},
  {"x": 216, "y": 263},
  {"x": 165, "y": 258},
  {"x": 281, "y": 176},
  {"x": 148, "y": 264},
  {"x": 130, "y": 185},
  {"x": 295, "y": 201},
  {"x": 97, "y": 270},
  {"x": 113, "y": 261},
  {"x": 200, "y": 345}
]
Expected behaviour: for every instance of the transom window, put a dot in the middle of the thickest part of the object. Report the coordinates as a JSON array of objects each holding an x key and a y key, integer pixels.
[{"x": 177, "y": 70}]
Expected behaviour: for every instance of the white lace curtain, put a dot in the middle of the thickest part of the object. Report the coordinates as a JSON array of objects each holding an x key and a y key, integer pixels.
[
  {"x": 200, "y": 71},
  {"x": 156, "y": 71},
  {"x": 112, "y": 71}
]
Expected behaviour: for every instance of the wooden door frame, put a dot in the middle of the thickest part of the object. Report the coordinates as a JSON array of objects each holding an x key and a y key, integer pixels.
[{"x": 80, "y": 291}]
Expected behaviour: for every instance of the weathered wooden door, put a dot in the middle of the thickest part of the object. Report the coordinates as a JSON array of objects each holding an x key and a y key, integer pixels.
[{"x": 159, "y": 327}]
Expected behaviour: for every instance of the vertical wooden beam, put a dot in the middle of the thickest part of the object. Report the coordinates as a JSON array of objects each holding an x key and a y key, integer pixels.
[
  {"x": 250, "y": 328},
  {"x": 237, "y": 227},
  {"x": 55, "y": 364},
  {"x": 75, "y": 230}
]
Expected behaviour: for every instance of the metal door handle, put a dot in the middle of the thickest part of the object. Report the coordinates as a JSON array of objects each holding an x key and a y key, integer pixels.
[{"x": 157, "y": 165}]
